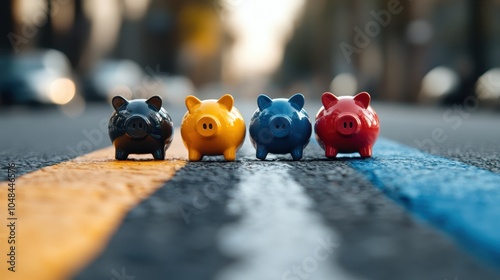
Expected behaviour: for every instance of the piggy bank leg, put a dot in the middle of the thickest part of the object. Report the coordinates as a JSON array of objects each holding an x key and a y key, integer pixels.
[
  {"x": 159, "y": 154},
  {"x": 120, "y": 155},
  {"x": 366, "y": 152},
  {"x": 297, "y": 153},
  {"x": 261, "y": 152},
  {"x": 194, "y": 155},
  {"x": 230, "y": 154},
  {"x": 330, "y": 152}
]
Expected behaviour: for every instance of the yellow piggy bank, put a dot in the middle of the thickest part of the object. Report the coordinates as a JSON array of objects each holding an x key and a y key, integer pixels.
[{"x": 212, "y": 127}]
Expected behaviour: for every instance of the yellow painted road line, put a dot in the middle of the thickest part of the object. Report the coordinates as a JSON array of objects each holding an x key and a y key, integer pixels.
[{"x": 67, "y": 212}]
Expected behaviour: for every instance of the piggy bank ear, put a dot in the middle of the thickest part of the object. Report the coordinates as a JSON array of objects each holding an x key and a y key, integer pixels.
[
  {"x": 363, "y": 99},
  {"x": 118, "y": 101},
  {"x": 192, "y": 103},
  {"x": 263, "y": 101},
  {"x": 226, "y": 100},
  {"x": 297, "y": 101},
  {"x": 329, "y": 99},
  {"x": 155, "y": 101}
]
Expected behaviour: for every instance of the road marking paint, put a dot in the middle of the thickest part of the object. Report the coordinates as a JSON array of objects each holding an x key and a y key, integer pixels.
[
  {"x": 67, "y": 212},
  {"x": 460, "y": 199},
  {"x": 278, "y": 235}
]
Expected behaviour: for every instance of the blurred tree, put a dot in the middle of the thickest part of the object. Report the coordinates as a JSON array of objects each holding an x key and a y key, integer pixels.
[
  {"x": 476, "y": 51},
  {"x": 403, "y": 50},
  {"x": 152, "y": 41},
  {"x": 77, "y": 37},
  {"x": 73, "y": 41},
  {"x": 176, "y": 37},
  {"x": 7, "y": 25},
  {"x": 308, "y": 56},
  {"x": 46, "y": 32},
  {"x": 404, "y": 62}
]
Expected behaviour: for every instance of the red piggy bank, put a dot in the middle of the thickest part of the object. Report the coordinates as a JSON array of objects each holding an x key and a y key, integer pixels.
[{"x": 346, "y": 124}]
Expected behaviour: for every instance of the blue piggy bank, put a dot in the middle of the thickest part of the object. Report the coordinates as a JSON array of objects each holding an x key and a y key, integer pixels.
[{"x": 280, "y": 126}]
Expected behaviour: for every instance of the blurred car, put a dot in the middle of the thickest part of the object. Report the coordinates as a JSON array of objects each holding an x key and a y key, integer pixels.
[
  {"x": 36, "y": 77},
  {"x": 174, "y": 89},
  {"x": 109, "y": 78},
  {"x": 112, "y": 77},
  {"x": 488, "y": 89}
]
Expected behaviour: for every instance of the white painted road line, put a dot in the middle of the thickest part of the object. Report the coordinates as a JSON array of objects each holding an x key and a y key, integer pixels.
[{"x": 278, "y": 236}]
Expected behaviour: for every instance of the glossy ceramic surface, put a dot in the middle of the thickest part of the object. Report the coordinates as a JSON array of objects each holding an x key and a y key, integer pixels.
[
  {"x": 346, "y": 124},
  {"x": 212, "y": 127},
  {"x": 280, "y": 126},
  {"x": 140, "y": 127}
]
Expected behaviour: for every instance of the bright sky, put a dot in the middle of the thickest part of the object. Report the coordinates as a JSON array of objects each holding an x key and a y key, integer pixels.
[{"x": 261, "y": 29}]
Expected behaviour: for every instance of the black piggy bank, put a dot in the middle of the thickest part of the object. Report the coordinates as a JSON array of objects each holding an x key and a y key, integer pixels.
[{"x": 140, "y": 127}]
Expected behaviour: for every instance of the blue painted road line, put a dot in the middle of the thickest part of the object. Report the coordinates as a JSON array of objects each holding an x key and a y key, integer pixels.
[{"x": 460, "y": 199}]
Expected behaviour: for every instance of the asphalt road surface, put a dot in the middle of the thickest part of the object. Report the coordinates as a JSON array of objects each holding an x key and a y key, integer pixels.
[{"x": 425, "y": 213}]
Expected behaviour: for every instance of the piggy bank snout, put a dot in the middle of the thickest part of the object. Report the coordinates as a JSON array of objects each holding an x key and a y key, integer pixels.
[
  {"x": 280, "y": 125},
  {"x": 137, "y": 126},
  {"x": 347, "y": 124},
  {"x": 207, "y": 126}
]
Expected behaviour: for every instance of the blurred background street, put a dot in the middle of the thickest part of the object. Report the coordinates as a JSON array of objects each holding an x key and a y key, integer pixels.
[
  {"x": 70, "y": 52},
  {"x": 431, "y": 67}
]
